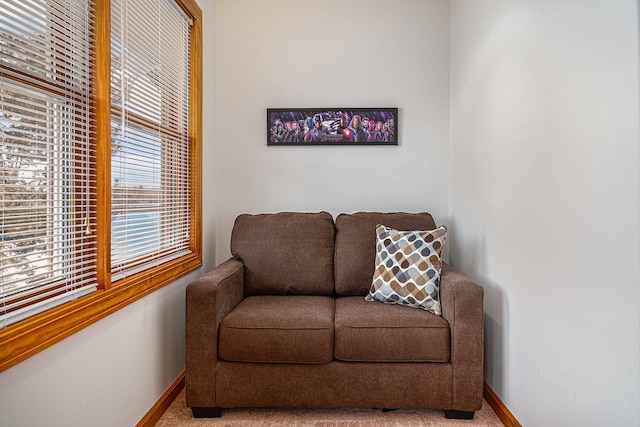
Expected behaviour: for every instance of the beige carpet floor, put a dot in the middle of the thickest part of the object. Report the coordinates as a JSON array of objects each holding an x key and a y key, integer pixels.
[{"x": 179, "y": 415}]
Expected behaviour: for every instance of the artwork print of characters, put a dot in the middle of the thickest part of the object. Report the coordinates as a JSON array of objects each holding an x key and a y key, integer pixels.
[
  {"x": 318, "y": 131},
  {"x": 347, "y": 132},
  {"x": 390, "y": 132},
  {"x": 277, "y": 131},
  {"x": 358, "y": 127},
  {"x": 332, "y": 127}
]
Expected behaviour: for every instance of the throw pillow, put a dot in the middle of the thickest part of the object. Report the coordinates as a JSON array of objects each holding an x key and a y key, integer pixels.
[{"x": 407, "y": 268}]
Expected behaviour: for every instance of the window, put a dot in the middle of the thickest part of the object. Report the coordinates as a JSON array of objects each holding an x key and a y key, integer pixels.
[
  {"x": 100, "y": 148},
  {"x": 47, "y": 143},
  {"x": 150, "y": 139}
]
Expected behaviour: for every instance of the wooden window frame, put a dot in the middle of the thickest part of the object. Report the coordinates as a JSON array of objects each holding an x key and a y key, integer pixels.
[{"x": 30, "y": 336}]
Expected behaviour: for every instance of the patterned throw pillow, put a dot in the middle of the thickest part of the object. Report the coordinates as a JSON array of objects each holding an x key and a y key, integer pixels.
[{"x": 408, "y": 266}]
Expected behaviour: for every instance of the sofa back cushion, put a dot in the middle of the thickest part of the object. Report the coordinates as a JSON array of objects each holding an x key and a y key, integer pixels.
[
  {"x": 288, "y": 253},
  {"x": 356, "y": 245}
]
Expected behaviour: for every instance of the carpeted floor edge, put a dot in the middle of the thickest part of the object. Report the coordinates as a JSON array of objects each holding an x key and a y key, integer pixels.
[{"x": 179, "y": 414}]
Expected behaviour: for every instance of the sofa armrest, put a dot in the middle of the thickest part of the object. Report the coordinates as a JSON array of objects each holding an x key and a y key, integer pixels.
[
  {"x": 209, "y": 298},
  {"x": 462, "y": 307}
]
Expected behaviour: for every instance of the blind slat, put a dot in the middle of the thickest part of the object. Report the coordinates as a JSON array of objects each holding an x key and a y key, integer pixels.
[
  {"x": 150, "y": 124},
  {"x": 48, "y": 181}
]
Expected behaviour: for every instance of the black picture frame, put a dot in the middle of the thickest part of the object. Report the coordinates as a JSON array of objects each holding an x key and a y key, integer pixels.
[{"x": 299, "y": 126}]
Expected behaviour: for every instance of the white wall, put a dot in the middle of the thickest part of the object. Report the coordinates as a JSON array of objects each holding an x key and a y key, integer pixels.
[
  {"x": 114, "y": 371},
  {"x": 358, "y": 53},
  {"x": 544, "y": 201},
  {"x": 109, "y": 374}
]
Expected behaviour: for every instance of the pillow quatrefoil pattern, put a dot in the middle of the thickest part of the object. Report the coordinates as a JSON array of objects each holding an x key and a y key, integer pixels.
[{"x": 407, "y": 268}]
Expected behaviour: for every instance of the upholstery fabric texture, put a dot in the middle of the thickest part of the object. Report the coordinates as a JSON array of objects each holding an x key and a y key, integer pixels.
[
  {"x": 335, "y": 385},
  {"x": 366, "y": 332},
  {"x": 285, "y": 253},
  {"x": 209, "y": 299},
  {"x": 279, "y": 329},
  {"x": 285, "y": 323},
  {"x": 407, "y": 268},
  {"x": 461, "y": 301},
  {"x": 355, "y": 246}
]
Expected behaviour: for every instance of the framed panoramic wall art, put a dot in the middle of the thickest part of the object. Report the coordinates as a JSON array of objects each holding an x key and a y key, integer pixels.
[{"x": 332, "y": 126}]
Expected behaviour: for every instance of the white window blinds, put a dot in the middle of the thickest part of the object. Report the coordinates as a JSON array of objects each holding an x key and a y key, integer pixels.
[
  {"x": 47, "y": 212},
  {"x": 150, "y": 160}
]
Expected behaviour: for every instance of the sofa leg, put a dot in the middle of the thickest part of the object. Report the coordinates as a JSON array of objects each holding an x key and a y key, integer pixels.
[
  {"x": 206, "y": 412},
  {"x": 458, "y": 415}
]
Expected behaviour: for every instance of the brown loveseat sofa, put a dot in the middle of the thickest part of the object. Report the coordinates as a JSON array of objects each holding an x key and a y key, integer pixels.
[{"x": 284, "y": 323}]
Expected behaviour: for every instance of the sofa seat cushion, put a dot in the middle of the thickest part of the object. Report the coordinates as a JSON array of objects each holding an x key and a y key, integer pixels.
[
  {"x": 373, "y": 332},
  {"x": 279, "y": 329}
]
